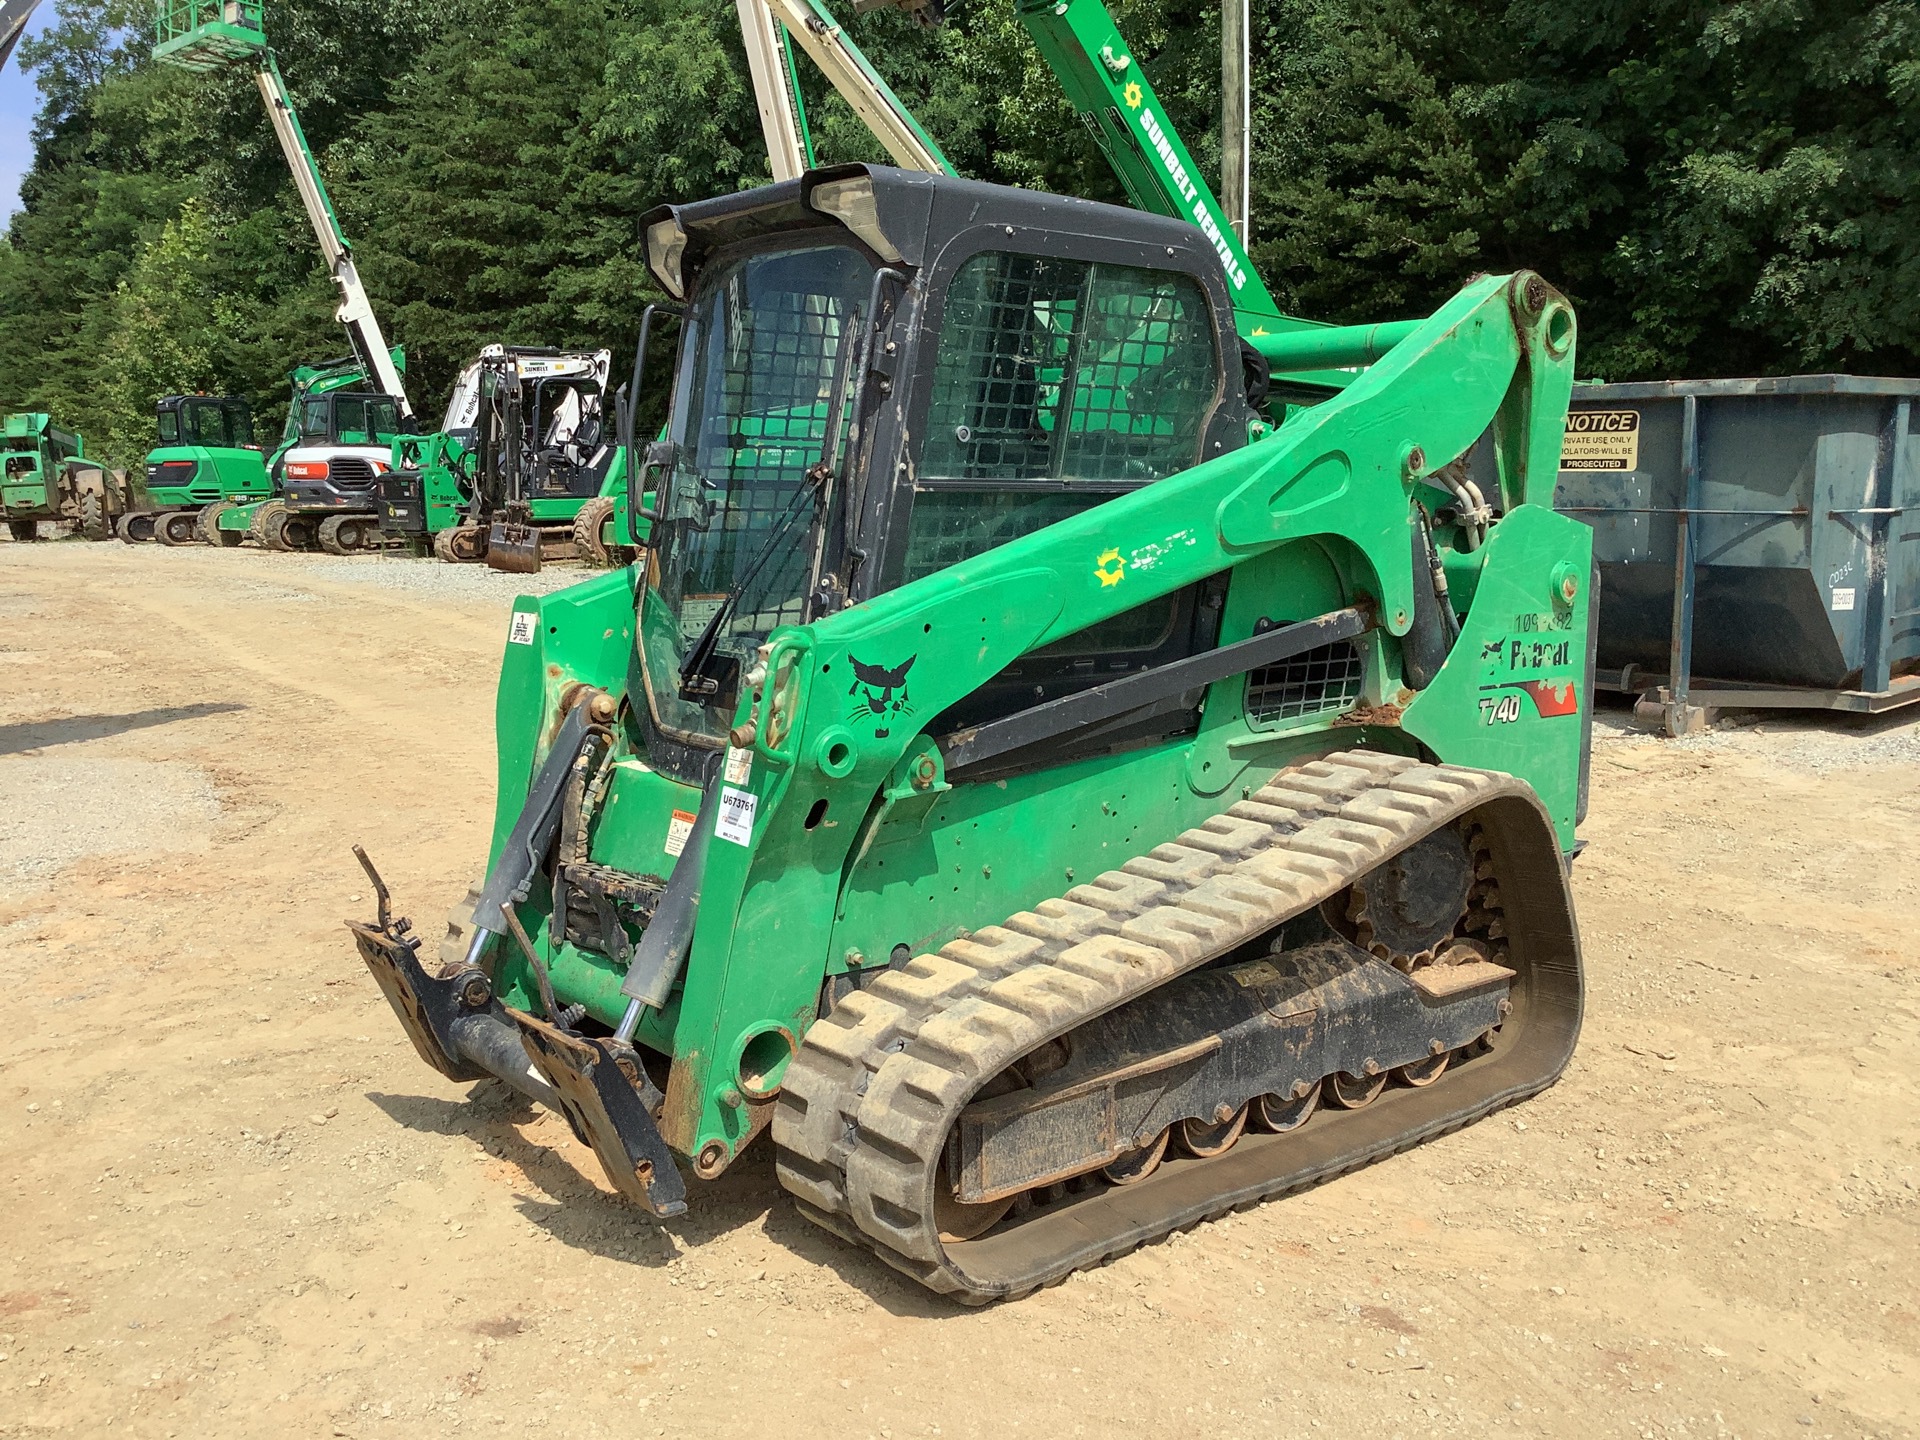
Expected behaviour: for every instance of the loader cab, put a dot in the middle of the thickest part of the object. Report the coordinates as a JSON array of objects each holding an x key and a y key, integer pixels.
[
  {"x": 571, "y": 440},
  {"x": 883, "y": 373},
  {"x": 206, "y": 452}
]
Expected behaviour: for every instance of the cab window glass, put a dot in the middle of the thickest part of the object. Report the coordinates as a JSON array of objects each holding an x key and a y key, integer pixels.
[
  {"x": 169, "y": 428},
  {"x": 366, "y": 420},
  {"x": 313, "y": 420},
  {"x": 1054, "y": 369},
  {"x": 209, "y": 424}
]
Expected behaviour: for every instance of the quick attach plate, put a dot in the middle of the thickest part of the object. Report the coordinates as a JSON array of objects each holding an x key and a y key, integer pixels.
[
  {"x": 425, "y": 1006},
  {"x": 607, "y": 1108}
]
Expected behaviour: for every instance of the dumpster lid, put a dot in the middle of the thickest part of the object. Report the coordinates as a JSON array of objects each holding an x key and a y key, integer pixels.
[{"x": 1762, "y": 385}]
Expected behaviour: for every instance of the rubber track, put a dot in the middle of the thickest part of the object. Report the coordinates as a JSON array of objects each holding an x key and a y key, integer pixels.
[{"x": 870, "y": 1098}]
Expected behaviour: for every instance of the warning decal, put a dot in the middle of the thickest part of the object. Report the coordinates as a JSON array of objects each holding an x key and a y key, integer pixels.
[{"x": 1601, "y": 440}]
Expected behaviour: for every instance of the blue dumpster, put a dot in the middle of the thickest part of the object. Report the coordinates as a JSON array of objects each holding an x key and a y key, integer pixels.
[{"x": 1758, "y": 540}]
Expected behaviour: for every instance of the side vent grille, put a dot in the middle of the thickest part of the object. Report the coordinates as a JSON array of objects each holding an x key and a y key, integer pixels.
[{"x": 1325, "y": 678}]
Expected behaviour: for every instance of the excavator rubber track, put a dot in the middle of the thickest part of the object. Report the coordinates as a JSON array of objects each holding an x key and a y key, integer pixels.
[{"x": 873, "y": 1095}]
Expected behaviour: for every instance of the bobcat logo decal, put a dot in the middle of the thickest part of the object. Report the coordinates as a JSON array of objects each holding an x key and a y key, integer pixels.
[{"x": 879, "y": 693}]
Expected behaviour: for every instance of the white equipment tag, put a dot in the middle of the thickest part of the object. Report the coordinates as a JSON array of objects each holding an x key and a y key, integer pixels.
[
  {"x": 735, "y": 821},
  {"x": 520, "y": 628}
]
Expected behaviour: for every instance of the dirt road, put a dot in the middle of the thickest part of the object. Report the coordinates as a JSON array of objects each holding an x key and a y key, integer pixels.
[{"x": 237, "y": 1204}]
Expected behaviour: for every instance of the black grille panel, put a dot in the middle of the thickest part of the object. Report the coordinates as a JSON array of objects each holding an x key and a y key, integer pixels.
[
  {"x": 350, "y": 472},
  {"x": 1325, "y": 678}
]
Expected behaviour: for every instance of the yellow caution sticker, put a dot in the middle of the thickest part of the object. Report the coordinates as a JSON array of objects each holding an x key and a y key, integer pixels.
[
  {"x": 1601, "y": 440},
  {"x": 1110, "y": 567},
  {"x": 1257, "y": 972}
]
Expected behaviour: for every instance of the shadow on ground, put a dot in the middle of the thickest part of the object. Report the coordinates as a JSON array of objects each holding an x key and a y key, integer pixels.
[
  {"x": 579, "y": 1214},
  {"x": 40, "y": 734}
]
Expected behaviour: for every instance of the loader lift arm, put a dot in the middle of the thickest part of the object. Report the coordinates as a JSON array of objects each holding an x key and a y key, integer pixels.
[{"x": 208, "y": 35}]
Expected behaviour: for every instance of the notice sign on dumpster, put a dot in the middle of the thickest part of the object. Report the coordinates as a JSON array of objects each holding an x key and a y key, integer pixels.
[{"x": 1601, "y": 440}]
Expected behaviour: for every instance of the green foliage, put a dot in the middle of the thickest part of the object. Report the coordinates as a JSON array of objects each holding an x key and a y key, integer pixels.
[
  {"x": 166, "y": 328},
  {"x": 1722, "y": 188}
]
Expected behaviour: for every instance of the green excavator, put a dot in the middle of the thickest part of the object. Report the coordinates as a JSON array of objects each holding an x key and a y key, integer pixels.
[{"x": 1049, "y": 782}]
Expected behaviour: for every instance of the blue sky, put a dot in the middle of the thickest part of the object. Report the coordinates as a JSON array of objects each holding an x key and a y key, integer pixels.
[{"x": 18, "y": 101}]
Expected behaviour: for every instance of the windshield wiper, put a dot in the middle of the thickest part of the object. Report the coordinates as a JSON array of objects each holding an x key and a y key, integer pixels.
[{"x": 696, "y": 685}]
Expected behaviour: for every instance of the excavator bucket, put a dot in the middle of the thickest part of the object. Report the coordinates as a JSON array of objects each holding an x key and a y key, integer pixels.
[{"x": 514, "y": 548}]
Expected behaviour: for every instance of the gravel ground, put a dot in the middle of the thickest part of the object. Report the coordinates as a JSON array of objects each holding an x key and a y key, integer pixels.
[
  {"x": 237, "y": 1203},
  {"x": 55, "y": 811},
  {"x": 1814, "y": 742},
  {"x": 433, "y": 579}
]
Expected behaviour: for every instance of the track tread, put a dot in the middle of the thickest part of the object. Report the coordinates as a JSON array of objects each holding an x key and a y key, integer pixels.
[{"x": 876, "y": 1087}]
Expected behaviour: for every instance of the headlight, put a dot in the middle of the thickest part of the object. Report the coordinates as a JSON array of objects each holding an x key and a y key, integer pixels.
[
  {"x": 850, "y": 201},
  {"x": 666, "y": 246}
]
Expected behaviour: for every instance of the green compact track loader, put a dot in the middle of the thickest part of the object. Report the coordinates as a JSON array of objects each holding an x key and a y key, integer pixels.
[
  {"x": 45, "y": 475},
  {"x": 1045, "y": 789}
]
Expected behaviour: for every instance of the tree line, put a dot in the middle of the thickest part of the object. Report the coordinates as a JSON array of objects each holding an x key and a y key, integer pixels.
[{"x": 1722, "y": 188}]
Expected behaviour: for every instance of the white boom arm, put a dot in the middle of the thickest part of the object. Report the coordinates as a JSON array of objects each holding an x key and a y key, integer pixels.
[{"x": 355, "y": 310}]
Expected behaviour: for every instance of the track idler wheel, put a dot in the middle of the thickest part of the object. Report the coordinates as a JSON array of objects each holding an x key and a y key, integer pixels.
[
  {"x": 176, "y": 527},
  {"x": 958, "y": 1220},
  {"x": 136, "y": 526},
  {"x": 277, "y": 528},
  {"x": 462, "y": 545},
  {"x": 346, "y": 534}
]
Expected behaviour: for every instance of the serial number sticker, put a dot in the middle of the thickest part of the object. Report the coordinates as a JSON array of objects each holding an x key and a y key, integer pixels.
[
  {"x": 679, "y": 830},
  {"x": 1257, "y": 973},
  {"x": 1601, "y": 440},
  {"x": 739, "y": 765},
  {"x": 1843, "y": 599},
  {"x": 520, "y": 628},
  {"x": 735, "y": 820}
]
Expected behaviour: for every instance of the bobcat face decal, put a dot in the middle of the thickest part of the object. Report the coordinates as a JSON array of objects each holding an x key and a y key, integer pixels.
[{"x": 878, "y": 693}]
